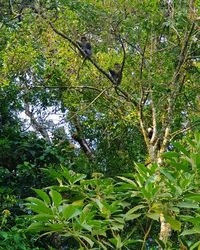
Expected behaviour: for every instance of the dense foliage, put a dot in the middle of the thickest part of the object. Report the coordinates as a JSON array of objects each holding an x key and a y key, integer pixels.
[
  {"x": 124, "y": 212},
  {"x": 76, "y": 135}
]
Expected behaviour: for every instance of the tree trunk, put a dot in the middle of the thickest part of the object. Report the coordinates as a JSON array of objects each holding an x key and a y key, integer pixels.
[
  {"x": 165, "y": 229},
  {"x": 155, "y": 155}
]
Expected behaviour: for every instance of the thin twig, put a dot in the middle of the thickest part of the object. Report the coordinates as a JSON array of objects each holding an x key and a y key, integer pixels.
[
  {"x": 180, "y": 131},
  {"x": 146, "y": 235},
  {"x": 101, "y": 93}
]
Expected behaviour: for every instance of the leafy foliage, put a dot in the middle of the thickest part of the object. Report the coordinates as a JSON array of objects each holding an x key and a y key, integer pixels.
[
  {"x": 58, "y": 108},
  {"x": 95, "y": 212}
]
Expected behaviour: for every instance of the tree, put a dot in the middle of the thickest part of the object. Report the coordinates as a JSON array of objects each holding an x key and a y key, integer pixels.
[{"x": 157, "y": 41}]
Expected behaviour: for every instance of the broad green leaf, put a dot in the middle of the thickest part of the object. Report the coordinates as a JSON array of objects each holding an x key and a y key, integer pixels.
[
  {"x": 78, "y": 178},
  {"x": 56, "y": 226},
  {"x": 78, "y": 203},
  {"x": 157, "y": 207},
  {"x": 193, "y": 220},
  {"x": 194, "y": 197},
  {"x": 119, "y": 219},
  {"x": 131, "y": 216},
  {"x": 146, "y": 194},
  {"x": 36, "y": 227},
  {"x": 86, "y": 226},
  {"x": 42, "y": 195},
  {"x": 153, "y": 216},
  {"x": 175, "y": 224},
  {"x": 99, "y": 203},
  {"x": 117, "y": 242},
  {"x": 170, "y": 155},
  {"x": 142, "y": 169},
  {"x": 187, "y": 204},
  {"x": 168, "y": 175},
  {"x": 56, "y": 198},
  {"x": 132, "y": 210},
  {"x": 175, "y": 209},
  {"x": 181, "y": 148},
  {"x": 38, "y": 206},
  {"x": 43, "y": 217},
  {"x": 70, "y": 211},
  {"x": 130, "y": 242},
  {"x": 140, "y": 180},
  {"x": 128, "y": 181},
  {"x": 116, "y": 226},
  {"x": 194, "y": 230}
]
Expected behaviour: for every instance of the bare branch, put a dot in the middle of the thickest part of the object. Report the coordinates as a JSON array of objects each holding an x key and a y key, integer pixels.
[
  {"x": 182, "y": 56},
  {"x": 178, "y": 87},
  {"x": 79, "y": 138},
  {"x": 36, "y": 125}
]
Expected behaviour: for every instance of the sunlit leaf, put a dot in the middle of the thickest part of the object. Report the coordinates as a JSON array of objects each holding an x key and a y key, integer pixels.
[
  {"x": 56, "y": 197},
  {"x": 38, "y": 206},
  {"x": 175, "y": 224},
  {"x": 70, "y": 211},
  {"x": 42, "y": 195}
]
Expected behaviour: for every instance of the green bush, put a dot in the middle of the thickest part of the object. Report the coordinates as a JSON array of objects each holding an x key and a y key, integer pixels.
[{"x": 124, "y": 213}]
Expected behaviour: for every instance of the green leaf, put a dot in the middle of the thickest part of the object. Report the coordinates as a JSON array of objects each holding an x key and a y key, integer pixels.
[
  {"x": 170, "y": 155},
  {"x": 42, "y": 195},
  {"x": 194, "y": 197},
  {"x": 36, "y": 227},
  {"x": 194, "y": 230},
  {"x": 194, "y": 220},
  {"x": 175, "y": 224},
  {"x": 153, "y": 216},
  {"x": 131, "y": 216},
  {"x": 142, "y": 169},
  {"x": 88, "y": 240},
  {"x": 43, "y": 217},
  {"x": 117, "y": 242},
  {"x": 55, "y": 227},
  {"x": 187, "y": 204},
  {"x": 130, "y": 242},
  {"x": 70, "y": 211},
  {"x": 56, "y": 198},
  {"x": 38, "y": 206},
  {"x": 78, "y": 178},
  {"x": 117, "y": 226},
  {"x": 5, "y": 235},
  {"x": 132, "y": 210},
  {"x": 128, "y": 181},
  {"x": 147, "y": 195},
  {"x": 168, "y": 175},
  {"x": 119, "y": 219},
  {"x": 181, "y": 148},
  {"x": 99, "y": 203},
  {"x": 86, "y": 226},
  {"x": 197, "y": 244}
]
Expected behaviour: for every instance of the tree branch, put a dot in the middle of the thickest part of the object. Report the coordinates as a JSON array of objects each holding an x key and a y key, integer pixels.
[
  {"x": 178, "y": 87},
  {"x": 36, "y": 125},
  {"x": 107, "y": 75},
  {"x": 79, "y": 138}
]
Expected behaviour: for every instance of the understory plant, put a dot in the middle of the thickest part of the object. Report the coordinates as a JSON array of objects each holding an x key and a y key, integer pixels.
[{"x": 124, "y": 213}]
